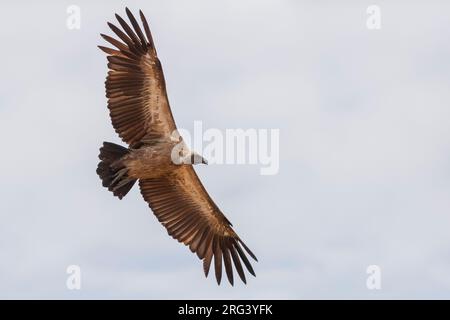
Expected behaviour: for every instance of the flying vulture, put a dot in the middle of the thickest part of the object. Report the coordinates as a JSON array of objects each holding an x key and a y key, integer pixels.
[{"x": 157, "y": 156}]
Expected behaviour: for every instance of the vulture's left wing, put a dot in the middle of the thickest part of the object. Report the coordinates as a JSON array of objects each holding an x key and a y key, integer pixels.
[
  {"x": 182, "y": 205},
  {"x": 135, "y": 86}
]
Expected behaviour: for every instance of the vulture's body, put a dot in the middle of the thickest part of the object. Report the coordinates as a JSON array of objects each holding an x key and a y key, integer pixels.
[{"x": 157, "y": 157}]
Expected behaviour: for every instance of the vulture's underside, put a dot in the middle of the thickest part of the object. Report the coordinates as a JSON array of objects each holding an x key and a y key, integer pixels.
[{"x": 139, "y": 109}]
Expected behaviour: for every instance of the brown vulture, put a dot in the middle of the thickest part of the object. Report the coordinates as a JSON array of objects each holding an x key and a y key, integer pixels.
[{"x": 157, "y": 156}]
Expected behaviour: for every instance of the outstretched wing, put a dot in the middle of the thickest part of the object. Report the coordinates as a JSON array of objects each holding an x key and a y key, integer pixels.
[
  {"x": 182, "y": 205},
  {"x": 135, "y": 85}
]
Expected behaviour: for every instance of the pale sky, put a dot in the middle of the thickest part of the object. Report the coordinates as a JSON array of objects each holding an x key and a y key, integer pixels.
[{"x": 364, "y": 120}]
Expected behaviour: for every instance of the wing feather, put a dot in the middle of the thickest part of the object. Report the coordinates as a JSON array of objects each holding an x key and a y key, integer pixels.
[
  {"x": 227, "y": 260},
  {"x": 217, "y": 259}
]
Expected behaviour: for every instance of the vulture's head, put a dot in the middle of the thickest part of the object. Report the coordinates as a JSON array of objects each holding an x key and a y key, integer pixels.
[
  {"x": 181, "y": 154},
  {"x": 197, "y": 159}
]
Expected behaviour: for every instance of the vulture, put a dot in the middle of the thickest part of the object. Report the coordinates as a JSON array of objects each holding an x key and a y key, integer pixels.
[{"x": 157, "y": 157}]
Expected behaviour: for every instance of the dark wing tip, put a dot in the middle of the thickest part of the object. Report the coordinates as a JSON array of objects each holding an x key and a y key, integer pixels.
[
  {"x": 244, "y": 258},
  {"x": 228, "y": 254},
  {"x": 147, "y": 32},
  {"x": 217, "y": 259},
  {"x": 225, "y": 246},
  {"x": 207, "y": 262},
  {"x": 248, "y": 250}
]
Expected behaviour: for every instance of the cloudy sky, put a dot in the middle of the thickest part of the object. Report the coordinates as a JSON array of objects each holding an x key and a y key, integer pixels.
[{"x": 364, "y": 119}]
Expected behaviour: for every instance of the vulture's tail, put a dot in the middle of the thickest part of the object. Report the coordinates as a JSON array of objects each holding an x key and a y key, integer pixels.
[{"x": 112, "y": 171}]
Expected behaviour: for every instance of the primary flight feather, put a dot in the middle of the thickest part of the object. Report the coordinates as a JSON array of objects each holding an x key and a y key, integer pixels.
[{"x": 141, "y": 115}]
